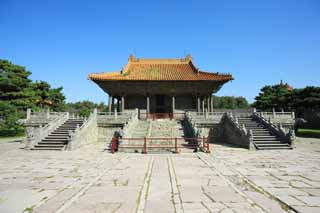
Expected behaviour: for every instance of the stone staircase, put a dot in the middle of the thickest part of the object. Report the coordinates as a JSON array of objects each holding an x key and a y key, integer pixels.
[
  {"x": 170, "y": 129},
  {"x": 139, "y": 131},
  {"x": 262, "y": 137},
  {"x": 58, "y": 139},
  {"x": 159, "y": 132}
]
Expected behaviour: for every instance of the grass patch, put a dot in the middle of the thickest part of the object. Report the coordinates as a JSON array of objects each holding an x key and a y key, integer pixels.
[
  {"x": 309, "y": 133},
  {"x": 11, "y": 138},
  {"x": 28, "y": 209}
]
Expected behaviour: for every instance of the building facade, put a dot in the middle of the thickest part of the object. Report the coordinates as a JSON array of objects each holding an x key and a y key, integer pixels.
[{"x": 160, "y": 85}]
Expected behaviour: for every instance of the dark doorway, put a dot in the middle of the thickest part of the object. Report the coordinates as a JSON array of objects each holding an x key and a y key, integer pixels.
[{"x": 160, "y": 104}]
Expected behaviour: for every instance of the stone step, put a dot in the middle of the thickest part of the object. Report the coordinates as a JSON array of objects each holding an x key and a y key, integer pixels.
[
  {"x": 267, "y": 142},
  {"x": 52, "y": 135},
  {"x": 48, "y": 149},
  {"x": 264, "y": 136},
  {"x": 258, "y": 128},
  {"x": 274, "y": 148},
  {"x": 54, "y": 139},
  {"x": 58, "y": 134},
  {"x": 49, "y": 146},
  {"x": 272, "y": 145},
  {"x": 66, "y": 128},
  {"x": 57, "y": 137},
  {"x": 51, "y": 143},
  {"x": 61, "y": 132}
]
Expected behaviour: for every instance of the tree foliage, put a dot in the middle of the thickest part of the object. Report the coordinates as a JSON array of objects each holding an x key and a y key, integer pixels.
[
  {"x": 273, "y": 97},
  {"x": 84, "y": 108},
  {"x": 282, "y": 96},
  {"x": 18, "y": 92},
  {"x": 230, "y": 102}
]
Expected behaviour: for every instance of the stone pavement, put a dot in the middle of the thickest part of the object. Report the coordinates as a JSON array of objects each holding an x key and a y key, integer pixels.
[{"x": 228, "y": 180}]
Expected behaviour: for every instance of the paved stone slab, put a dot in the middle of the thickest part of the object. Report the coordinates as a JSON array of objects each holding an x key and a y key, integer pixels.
[{"x": 236, "y": 180}]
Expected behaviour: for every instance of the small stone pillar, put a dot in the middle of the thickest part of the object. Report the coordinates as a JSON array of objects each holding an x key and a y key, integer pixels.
[
  {"x": 148, "y": 104},
  {"x": 48, "y": 113},
  {"x": 28, "y": 113},
  {"x": 95, "y": 112},
  {"x": 110, "y": 103},
  {"x": 273, "y": 112},
  {"x": 122, "y": 104},
  {"x": 173, "y": 104},
  {"x": 202, "y": 105},
  {"x": 115, "y": 113},
  {"x": 198, "y": 104}
]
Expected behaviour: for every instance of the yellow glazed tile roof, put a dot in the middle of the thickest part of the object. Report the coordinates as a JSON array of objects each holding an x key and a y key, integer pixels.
[{"x": 160, "y": 70}]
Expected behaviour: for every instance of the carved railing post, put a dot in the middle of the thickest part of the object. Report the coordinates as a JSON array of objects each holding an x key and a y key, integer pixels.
[
  {"x": 115, "y": 114},
  {"x": 292, "y": 138},
  {"x": 28, "y": 113},
  {"x": 48, "y": 113},
  {"x": 273, "y": 112}
]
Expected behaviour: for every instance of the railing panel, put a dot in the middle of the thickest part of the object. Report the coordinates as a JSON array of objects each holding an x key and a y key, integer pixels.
[{"x": 147, "y": 143}]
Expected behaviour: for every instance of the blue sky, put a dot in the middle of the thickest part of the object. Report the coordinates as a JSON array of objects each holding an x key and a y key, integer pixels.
[{"x": 259, "y": 42}]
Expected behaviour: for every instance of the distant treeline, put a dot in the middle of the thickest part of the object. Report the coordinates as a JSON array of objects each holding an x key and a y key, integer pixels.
[
  {"x": 230, "y": 102},
  {"x": 282, "y": 96}
]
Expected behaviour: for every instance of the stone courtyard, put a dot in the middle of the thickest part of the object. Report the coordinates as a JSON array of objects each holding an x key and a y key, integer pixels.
[{"x": 229, "y": 179}]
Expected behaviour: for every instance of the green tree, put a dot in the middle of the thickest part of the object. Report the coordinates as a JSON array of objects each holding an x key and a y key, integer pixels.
[
  {"x": 48, "y": 97},
  {"x": 15, "y": 97},
  {"x": 84, "y": 108},
  {"x": 275, "y": 96},
  {"x": 18, "y": 92},
  {"x": 229, "y": 102}
]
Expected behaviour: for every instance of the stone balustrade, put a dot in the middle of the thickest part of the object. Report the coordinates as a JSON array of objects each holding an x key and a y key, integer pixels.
[
  {"x": 36, "y": 133},
  {"x": 84, "y": 134},
  {"x": 286, "y": 134},
  {"x": 234, "y": 133}
]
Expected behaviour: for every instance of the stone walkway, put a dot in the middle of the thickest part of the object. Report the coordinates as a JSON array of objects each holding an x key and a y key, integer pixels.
[{"x": 228, "y": 180}]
